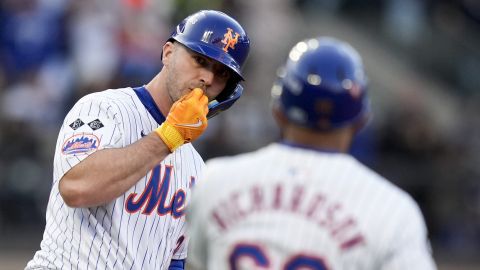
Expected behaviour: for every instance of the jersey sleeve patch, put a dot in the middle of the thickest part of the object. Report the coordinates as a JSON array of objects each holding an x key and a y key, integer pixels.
[
  {"x": 80, "y": 144},
  {"x": 96, "y": 124},
  {"x": 76, "y": 124}
]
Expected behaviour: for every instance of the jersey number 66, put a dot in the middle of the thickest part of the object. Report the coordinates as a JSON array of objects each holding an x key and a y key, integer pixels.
[{"x": 260, "y": 257}]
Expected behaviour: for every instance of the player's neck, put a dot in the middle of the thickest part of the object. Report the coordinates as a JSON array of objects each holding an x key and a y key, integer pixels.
[
  {"x": 339, "y": 139},
  {"x": 159, "y": 94}
]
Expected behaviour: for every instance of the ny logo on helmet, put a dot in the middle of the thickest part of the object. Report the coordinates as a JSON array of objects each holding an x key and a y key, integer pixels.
[{"x": 229, "y": 40}]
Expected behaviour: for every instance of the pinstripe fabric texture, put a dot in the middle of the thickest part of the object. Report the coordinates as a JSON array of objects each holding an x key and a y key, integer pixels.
[
  {"x": 113, "y": 236},
  {"x": 285, "y": 207}
]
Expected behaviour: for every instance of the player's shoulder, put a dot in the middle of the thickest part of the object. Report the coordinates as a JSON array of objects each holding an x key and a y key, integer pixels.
[
  {"x": 384, "y": 189},
  {"x": 112, "y": 100},
  {"x": 110, "y": 103},
  {"x": 109, "y": 95},
  {"x": 239, "y": 160},
  {"x": 370, "y": 189},
  {"x": 379, "y": 182}
]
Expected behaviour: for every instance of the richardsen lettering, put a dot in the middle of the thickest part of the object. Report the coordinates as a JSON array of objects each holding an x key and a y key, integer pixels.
[{"x": 294, "y": 200}]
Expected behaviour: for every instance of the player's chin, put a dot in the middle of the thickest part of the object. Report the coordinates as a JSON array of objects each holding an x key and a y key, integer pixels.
[
  {"x": 179, "y": 94},
  {"x": 187, "y": 91}
]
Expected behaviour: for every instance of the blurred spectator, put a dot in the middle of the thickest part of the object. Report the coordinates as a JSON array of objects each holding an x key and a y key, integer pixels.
[
  {"x": 405, "y": 20},
  {"x": 30, "y": 33},
  {"x": 144, "y": 31},
  {"x": 33, "y": 54},
  {"x": 94, "y": 29},
  {"x": 183, "y": 8}
]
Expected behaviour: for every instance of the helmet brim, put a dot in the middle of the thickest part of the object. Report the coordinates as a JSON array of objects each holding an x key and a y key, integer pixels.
[{"x": 215, "y": 54}]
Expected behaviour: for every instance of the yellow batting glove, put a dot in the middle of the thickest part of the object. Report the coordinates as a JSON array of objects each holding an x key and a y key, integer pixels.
[{"x": 186, "y": 121}]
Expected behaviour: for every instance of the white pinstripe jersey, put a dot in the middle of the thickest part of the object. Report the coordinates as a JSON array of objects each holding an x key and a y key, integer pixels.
[
  {"x": 287, "y": 207},
  {"x": 142, "y": 229}
]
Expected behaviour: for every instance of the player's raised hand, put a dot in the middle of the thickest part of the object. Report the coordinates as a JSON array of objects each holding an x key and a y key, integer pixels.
[{"x": 186, "y": 121}]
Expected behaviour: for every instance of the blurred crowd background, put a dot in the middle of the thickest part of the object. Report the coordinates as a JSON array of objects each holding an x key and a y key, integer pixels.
[{"x": 422, "y": 58}]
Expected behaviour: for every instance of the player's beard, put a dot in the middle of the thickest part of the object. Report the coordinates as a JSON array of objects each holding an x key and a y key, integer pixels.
[{"x": 175, "y": 88}]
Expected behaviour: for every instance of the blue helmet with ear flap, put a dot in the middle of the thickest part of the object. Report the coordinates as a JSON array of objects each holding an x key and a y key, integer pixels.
[
  {"x": 218, "y": 36},
  {"x": 322, "y": 85}
]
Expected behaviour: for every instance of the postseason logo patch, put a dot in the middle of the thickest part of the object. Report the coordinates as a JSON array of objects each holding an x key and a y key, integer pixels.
[
  {"x": 95, "y": 124},
  {"x": 76, "y": 124},
  {"x": 80, "y": 144}
]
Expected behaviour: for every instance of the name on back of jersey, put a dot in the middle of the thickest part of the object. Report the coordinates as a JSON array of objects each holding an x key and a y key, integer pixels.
[{"x": 314, "y": 207}]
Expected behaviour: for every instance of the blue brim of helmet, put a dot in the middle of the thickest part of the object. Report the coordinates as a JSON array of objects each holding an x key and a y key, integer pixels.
[{"x": 215, "y": 54}]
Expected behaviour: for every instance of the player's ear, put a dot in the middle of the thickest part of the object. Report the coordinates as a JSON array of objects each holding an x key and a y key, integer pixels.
[
  {"x": 168, "y": 49},
  {"x": 279, "y": 116}
]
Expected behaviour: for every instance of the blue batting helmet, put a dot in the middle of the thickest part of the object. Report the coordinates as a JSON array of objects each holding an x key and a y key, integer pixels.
[
  {"x": 323, "y": 85},
  {"x": 218, "y": 36}
]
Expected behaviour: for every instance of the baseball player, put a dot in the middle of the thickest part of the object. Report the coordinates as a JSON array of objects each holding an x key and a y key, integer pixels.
[
  {"x": 124, "y": 167},
  {"x": 304, "y": 203}
]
